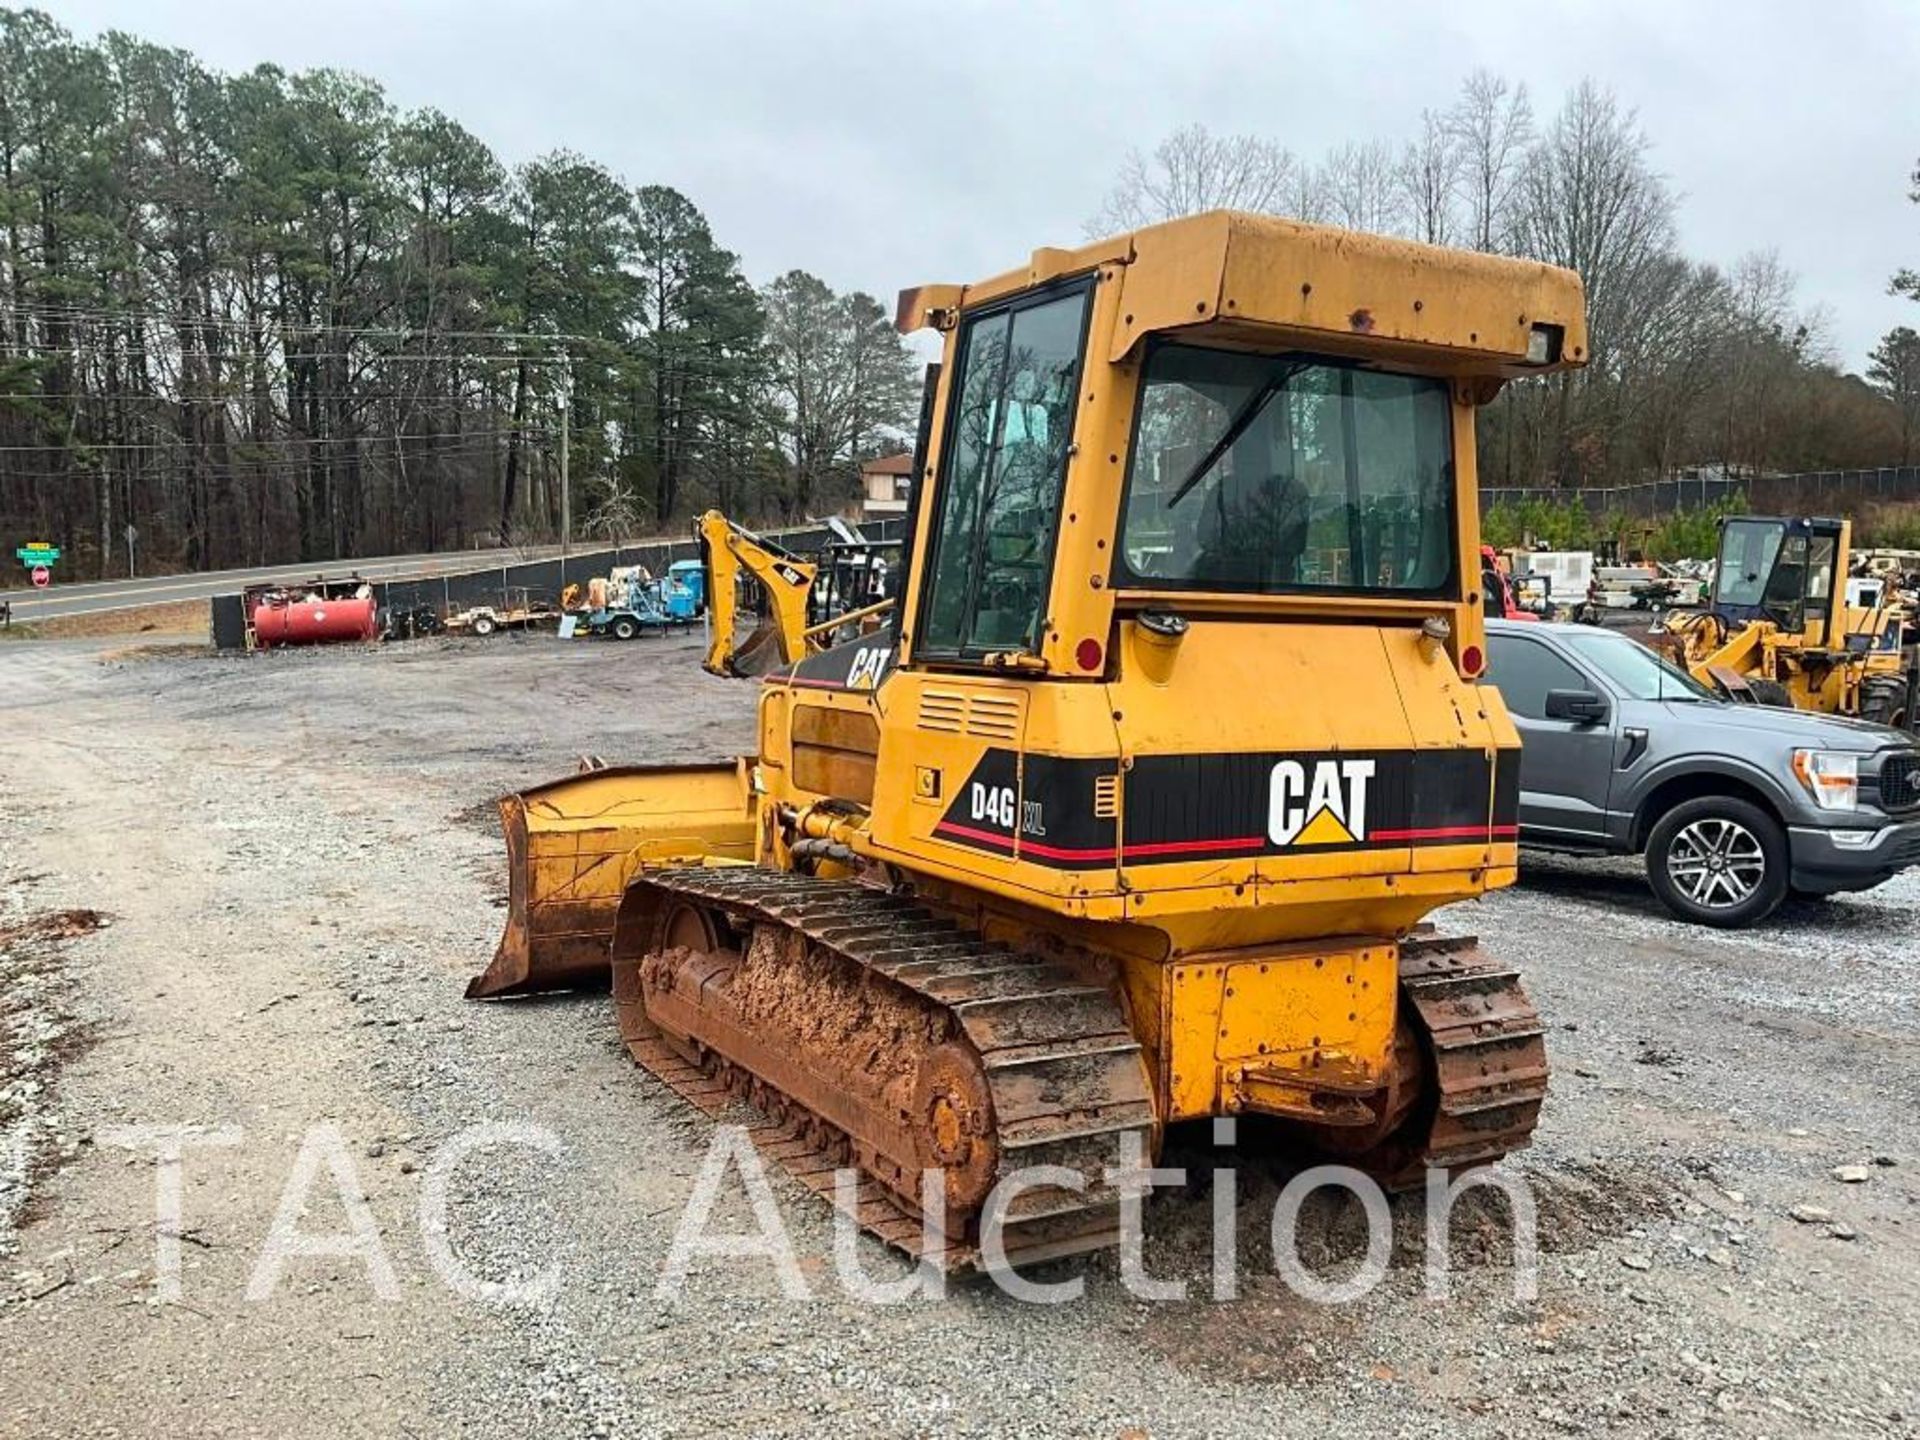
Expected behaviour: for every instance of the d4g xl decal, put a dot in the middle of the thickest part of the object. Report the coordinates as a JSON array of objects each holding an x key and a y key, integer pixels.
[{"x": 1197, "y": 807}]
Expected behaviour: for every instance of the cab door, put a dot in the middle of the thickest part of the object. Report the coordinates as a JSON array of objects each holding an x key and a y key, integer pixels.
[{"x": 995, "y": 791}]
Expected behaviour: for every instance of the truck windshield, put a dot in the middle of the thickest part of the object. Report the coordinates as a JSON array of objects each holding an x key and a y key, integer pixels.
[
  {"x": 1284, "y": 473},
  {"x": 1636, "y": 671}
]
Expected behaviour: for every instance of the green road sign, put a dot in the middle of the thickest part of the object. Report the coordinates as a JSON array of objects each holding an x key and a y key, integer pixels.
[{"x": 37, "y": 554}]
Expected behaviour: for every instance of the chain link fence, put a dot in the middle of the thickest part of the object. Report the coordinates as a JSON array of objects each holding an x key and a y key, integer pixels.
[{"x": 1813, "y": 492}]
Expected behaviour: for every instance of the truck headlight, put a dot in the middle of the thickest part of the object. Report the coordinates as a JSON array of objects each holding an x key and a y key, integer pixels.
[{"x": 1831, "y": 778}]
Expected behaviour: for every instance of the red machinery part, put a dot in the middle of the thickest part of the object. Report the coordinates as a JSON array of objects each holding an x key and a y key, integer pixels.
[{"x": 313, "y": 622}]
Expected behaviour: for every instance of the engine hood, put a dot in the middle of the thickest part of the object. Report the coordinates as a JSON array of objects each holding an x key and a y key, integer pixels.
[{"x": 1796, "y": 727}]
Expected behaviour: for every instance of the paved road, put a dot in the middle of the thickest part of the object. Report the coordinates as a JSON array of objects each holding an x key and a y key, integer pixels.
[
  {"x": 89, "y": 596},
  {"x": 86, "y": 597}
]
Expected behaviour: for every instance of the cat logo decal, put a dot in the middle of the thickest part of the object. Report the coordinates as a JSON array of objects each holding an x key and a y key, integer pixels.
[{"x": 1319, "y": 802}]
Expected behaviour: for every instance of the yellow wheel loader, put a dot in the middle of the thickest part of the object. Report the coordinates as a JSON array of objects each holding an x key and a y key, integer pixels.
[
  {"x": 1778, "y": 630},
  {"x": 1134, "y": 815},
  {"x": 802, "y": 600}
]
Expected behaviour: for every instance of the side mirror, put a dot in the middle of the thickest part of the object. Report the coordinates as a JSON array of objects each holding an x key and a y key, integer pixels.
[{"x": 1582, "y": 707}]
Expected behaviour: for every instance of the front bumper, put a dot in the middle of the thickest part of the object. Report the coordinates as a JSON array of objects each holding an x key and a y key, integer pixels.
[{"x": 1823, "y": 865}]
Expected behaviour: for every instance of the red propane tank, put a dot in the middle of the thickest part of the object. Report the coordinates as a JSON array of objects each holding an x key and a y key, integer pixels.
[{"x": 313, "y": 622}]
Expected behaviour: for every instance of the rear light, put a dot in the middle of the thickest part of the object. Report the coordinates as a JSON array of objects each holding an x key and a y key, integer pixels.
[
  {"x": 1088, "y": 655},
  {"x": 1472, "y": 661},
  {"x": 1543, "y": 344}
]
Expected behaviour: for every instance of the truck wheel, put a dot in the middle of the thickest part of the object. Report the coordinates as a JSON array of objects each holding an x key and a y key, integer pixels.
[
  {"x": 624, "y": 628},
  {"x": 483, "y": 625},
  {"x": 1718, "y": 861},
  {"x": 1883, "y": 699}
]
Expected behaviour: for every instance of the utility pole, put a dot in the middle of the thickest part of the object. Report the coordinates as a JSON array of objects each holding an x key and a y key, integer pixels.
[{"x": 566, "y": 493}]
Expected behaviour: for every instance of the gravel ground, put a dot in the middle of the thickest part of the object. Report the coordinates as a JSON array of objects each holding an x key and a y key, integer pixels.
[{"x": 301, "y": 870}]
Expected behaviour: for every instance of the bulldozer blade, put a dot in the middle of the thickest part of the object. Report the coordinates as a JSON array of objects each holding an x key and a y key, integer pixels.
[{"x": 573, "y": 844}]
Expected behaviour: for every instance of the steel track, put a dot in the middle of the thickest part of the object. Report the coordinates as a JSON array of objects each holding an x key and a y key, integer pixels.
[
  {"x": 1066, "y": 1076},
  {"x": 1068, "y": 1079}
]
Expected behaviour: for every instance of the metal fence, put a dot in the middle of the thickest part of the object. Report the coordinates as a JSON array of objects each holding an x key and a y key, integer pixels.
[{"x": 1812, "y": 492}]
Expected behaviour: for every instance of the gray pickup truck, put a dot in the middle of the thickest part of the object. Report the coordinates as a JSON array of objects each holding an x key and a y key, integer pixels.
[{"x": 1733, "y": 805}]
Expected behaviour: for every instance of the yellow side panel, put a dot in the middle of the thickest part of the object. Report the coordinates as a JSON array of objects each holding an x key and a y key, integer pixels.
[{"x": 1299, "y": 688}]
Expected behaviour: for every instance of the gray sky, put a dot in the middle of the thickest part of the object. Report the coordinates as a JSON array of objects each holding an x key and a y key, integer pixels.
[{"x": 882, "y": 144}]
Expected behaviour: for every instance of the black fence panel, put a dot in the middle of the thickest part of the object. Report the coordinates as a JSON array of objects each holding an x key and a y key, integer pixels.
[
  {"x": 1814, "y": 492},
  {"x": 229, "y": 622},
  {"x": 540, "y": 579}
]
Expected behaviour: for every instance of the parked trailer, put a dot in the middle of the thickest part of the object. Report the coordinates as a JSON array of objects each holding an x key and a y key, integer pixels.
[
  {"x": 629, "y": 602},
  {"x": 516, "y": 611}
]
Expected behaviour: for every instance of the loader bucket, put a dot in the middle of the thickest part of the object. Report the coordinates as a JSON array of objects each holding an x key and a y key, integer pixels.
[
  {"x": 761, "y": 653},
  {"x": 573, "y": 844}
]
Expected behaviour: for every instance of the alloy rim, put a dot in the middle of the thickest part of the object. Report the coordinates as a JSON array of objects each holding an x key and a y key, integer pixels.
[{"x": 1717, "y": 863}]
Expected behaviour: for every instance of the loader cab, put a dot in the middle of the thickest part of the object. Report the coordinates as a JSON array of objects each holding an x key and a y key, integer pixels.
[{"x": 1786, "y": 571}]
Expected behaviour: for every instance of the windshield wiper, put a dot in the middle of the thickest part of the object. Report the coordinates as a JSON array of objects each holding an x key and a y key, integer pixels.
[{"x": 1243, "y": 419}]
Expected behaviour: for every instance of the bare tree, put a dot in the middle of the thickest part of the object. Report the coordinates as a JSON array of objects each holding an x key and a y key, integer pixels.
[
  {"x": 1491, "y": 127},
  {"x": 1362, "y": 187},
  {"x": 1194, "y": 170},
  {"x": 1588, "y": 199},
  {"x": 1429, "y": 180},
  {"x": 1670, "y": 360},
  {"x": 1306, "y": 197}
]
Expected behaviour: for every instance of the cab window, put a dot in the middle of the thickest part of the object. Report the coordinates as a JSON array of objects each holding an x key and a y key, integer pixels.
[
  {"x": 1288, "y": 473},
  {"x": 1008, "y": 432},
  {"x": 1748, "y": 549}
]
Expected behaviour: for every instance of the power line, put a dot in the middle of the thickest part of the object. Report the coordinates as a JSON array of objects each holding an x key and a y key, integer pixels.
[
  {"x": 524, "y": 430},
  {"x": 103, "y": 313},
  {"x": 628, "y": 346},
  {"x": 295, "y": 354},
  {"x": 244, "y": 397},
  {"x": 378, "y": 457}
]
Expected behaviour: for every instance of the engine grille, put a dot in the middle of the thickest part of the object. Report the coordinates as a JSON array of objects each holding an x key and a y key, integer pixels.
[
  {"x": 1900, "y": 781},
  {"x": 985, "y": 714}
]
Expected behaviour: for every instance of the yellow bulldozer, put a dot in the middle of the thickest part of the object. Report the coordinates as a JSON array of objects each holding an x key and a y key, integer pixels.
[
  {"x": 1778, "y": 629},
  {"x": 1134, "y": 814}
]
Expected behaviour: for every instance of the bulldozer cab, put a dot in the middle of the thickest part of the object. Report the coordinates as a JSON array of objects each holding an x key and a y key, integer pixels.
[
  {"x": 1225, "y": 413},
  {"x": 1785, "y": 571},
  {"x": 1194, "y": 560}
]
